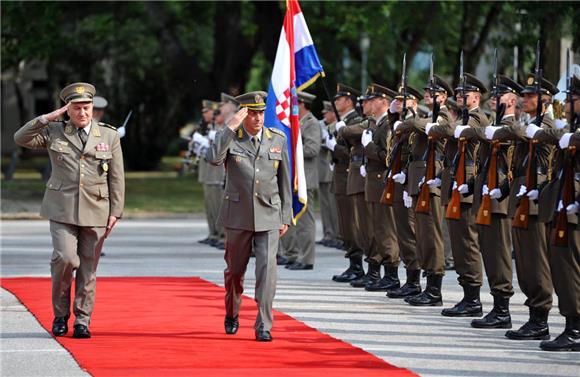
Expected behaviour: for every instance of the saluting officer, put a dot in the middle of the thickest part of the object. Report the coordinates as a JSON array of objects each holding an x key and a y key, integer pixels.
[
  {"x": 256, "y": 208},
  {"x": 530, "y": 245},
  {"x": 345, "y": 100},
  {"x": 384, "y": 249},
  {"x": 84, "y": 198},
  {"x": 463, "y": 232}
]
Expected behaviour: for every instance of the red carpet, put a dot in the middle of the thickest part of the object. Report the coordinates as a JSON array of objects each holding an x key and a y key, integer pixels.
[{"x": 174, "y": 327}]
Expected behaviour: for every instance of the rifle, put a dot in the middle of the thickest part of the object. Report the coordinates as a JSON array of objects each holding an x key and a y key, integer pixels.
[
  {"x": 560, "y": 232},
  {"x": 423, "y": 202},
  {"x": 490, "y": 169},
  {"x": 388, "y": 195},
  {"x": 523, "y": 209},
  {"x": 454, "y": 207}
]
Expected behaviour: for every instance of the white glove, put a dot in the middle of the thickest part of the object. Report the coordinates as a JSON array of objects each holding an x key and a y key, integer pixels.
[
  {"x": 366, "y": 138},
  {"x": 522, "y": 192},
  {"x": 199, "y": 138},
  {"x": 393, "y": 107},
  {"x": 331, "y": 166},
  {"x": 531, "y": 130},
  {"x": 560, "y": 205},
  {"x": 490, "y": 131},
  {"x": 339, "y": 125},
  {"x": 407, "y": 200},
  {"x": 458, "y": 131},
  {"x": 495, "y": 193},
  {"x": 211, "y": 135},
  {"x": 363, "y": 171},
  {"x": 331, "y": 143},
  {"x": 396, "y": 125},
  {"x": 421, "y": 181},
  {"x": 463, "y": 189},
  {"x": 323, "y": 131},
  {"x": 565, "y": 140},
  {"x": 572, "y": 208},
  {"x": 533, "y": 194},
  {"x": 399, "y": 177},
  {"x": 121, "y": 131},
  {"x": 436, "y": 182},
  {"x": 428, "y": 127}
]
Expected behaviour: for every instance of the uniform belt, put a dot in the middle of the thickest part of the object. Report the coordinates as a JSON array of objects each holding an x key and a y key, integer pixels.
[
  {"x": 356, "y": 158},
  {"x": 469, "y": 163}
]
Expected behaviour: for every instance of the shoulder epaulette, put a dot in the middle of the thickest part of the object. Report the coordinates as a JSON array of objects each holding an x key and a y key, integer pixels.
[
  {"x": 277, "y": 131},
  {"x": 108, "y": 126}
]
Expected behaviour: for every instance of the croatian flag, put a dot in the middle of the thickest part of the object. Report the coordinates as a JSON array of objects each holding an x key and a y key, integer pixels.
[{"x": 296, "y": 67}]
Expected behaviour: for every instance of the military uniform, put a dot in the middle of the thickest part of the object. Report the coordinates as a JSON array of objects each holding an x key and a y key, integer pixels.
[
  {"x": 257, "y": 202},
  {"x": 85, "y": 188}
]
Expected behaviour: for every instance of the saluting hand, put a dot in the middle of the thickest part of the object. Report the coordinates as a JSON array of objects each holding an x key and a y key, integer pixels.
[
  {"x": 238, "y": 118},
  {"x": 56, "y": 113}
]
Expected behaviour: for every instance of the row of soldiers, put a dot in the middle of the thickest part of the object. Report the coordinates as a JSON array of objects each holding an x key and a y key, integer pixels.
[{"x": 397, "y": 175}]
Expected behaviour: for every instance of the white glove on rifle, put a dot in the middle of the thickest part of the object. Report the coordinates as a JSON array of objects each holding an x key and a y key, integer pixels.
[
  {"x": 490, "y": 131},
  {"x": 121, "y": 130},
  {"x": 459, "y": 130},
  {"x": 522, "y": 192},
  {"x": 565, "y": 140},
  {"x": 572, "y": 208},
  {"x": 399, "y": 177},
  {"x": 397, "y": 125},
  {"x": 428, "y": 127},
  {"x": 211, "y": 135},
  {"x": 331, "y": 143},
  {"x": 421, "y": 181},
  {"x": 435, "y": 182},
  {"x": 366, "y": 138},
  {"x": 363, "y": 171},
  {"x": 495, "y": 193},
  {"x": 531, "y": 130},
  {"x": 407, "y": 200},
  {"x": 331, "y": 166},
  {"x": 393, "y": 107},
  {"x": 533, "y": 194},
  {"x": 463, "y": 189},
  {"x": 339, "y": 125}
]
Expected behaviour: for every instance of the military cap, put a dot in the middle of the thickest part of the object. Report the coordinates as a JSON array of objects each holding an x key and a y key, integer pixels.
[
  {"x": 224, "y": 97},
  {"x": 575, "y": 87},
  {"x": 440, "y": 85},
  {"x": 207, "y": 105},
  {"x": 507, "y": 85},
  {"x": 253, "y": 100},
  {"x": 346, "y": 91},
  {"x": 472, "y": 84},
  {"x": 412, "y": 93},
  {"x": 99, "y": 102},
  {"x": 379, "y": 91},
  {"x": 546, "y": 87},
  {"x": 78, "y": 92},
  {"x": 306, "y": 97},
  {"x": 327, "y": 107},
  {"x": 452, "y": 105}
]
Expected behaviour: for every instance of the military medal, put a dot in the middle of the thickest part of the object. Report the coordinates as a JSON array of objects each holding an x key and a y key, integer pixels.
[
  {"x": 69, "y": 129},
  {"x": 105, "y": 166},
  {"x": 276, "y": 163}
]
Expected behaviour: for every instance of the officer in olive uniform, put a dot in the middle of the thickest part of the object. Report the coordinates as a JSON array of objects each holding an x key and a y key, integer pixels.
[
  {"x": 428, "y": 229},
  {"x": 201, "y": 136},
  {"x": 560, "y": 197},
  {"x": 530, "y": 244},
  {"x": 327, "y": 202},
  {"x": 256, "y": 207},
  {"x": 494, "y": 225},
  {"x": 345, "y": 100},
  {"x": 463, "y": 231},
  {"x": 84, "y": 198},
  {"x": 306, "y": 225},
  {"x": 384, "y": 249}
]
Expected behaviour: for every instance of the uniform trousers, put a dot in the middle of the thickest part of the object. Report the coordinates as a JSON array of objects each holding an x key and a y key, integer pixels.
[
  {"x": 465, "y": 249},
  {"x": 212, "y": 197},
  {"x": 565, "y": 267},
  {"x": 429, "y": 235},
  {"x": 384, "y": 248}
]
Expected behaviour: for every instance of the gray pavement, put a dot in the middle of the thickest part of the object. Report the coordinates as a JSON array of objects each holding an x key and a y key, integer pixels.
[{"x": 419, "y": 339}]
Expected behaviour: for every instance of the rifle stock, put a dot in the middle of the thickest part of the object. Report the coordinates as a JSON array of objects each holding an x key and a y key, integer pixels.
[
  {"x": 388, "y": 195},
  {"x": 484, "y": 213},
  {"x": 523, "y": 209},
  {"x": 560, "y": 231},
  {"x": 423, "y": 205},
  {"x": 454, "y": 206}
]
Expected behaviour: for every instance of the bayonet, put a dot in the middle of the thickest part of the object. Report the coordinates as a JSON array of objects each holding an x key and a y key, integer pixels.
[
  {"x": 404, "y": 84},
  {"x": 464, "y": 110},
  {"x": 538, "y": 85},
  {"x": 433, "y": 92},
  {"x": 127, "y": 118}
]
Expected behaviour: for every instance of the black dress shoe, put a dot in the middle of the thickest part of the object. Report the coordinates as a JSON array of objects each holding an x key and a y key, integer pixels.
[
  {"x": 283, "y": 261},
  {"x": 81, "y": 332},
  {"x": 231, "y": 325},
  {"x": 60, "y": 326},
  {"x": 299, "y": 266},
  {"x": 263, "y": 336}
]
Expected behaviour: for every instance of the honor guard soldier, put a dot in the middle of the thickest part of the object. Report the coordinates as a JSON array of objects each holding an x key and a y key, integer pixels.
[
  {"x": 305, "y": 230},
  {"x": 529, "y": 167},
  {"x": 493, "y": 223},
  {"x": 84, "y": 198},
  {"x": 345, "y": 101},
  {"x": 428, "y": 231},
  {"x": 256, "y": 207},
  {"x": 462, "y": 205},
  {"x": 327, "y": 201},
  {"x": 384, "y": 249},
  {"x": 558, "y": 202}
]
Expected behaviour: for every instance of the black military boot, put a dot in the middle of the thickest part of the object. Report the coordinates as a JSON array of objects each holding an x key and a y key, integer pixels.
[
  {"x": 388, "y": 282},
  {"x": 353, "y": 272},
  {"x": 469, "y": 306},
  {"x": 411, "y": 287},
  {"x": 535, "y": 329},
  {"x": 373, "y": 275},
  {"x": 569, "y": 340},
  {"x": 498, "y": 318},
  {"x": 431, "y": 296}
]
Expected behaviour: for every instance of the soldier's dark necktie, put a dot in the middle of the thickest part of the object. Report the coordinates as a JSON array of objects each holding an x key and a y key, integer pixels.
[
  {"x": 256, "y": 142},
  {"x": 83, "y": 136}
]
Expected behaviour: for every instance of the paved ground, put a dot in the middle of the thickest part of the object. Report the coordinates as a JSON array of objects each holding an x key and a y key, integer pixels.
[{"x": 416, "y": 338}]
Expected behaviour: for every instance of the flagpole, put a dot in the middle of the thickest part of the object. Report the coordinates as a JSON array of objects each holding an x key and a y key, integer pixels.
[{"x": 330, "y": 98}]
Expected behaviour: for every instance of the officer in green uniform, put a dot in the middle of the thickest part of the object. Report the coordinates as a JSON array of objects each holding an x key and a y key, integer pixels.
[
  {"x": 84, "y": 198},
  {"x": 256, "y": 208}
]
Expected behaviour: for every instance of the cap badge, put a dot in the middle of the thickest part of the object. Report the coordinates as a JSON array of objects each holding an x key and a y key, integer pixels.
[
  {"x": 258, "y": 99},
  {"x": 530, "y": 80},
  {"x": 80, "y": 89}
]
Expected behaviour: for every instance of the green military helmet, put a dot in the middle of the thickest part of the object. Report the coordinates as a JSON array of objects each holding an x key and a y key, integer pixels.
[
  {"x": 78, "y": 92},
  {"x": 253, "y": 100},
  {"x": 306, "y": 97},
  {"x": 546, "y": 87}
]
